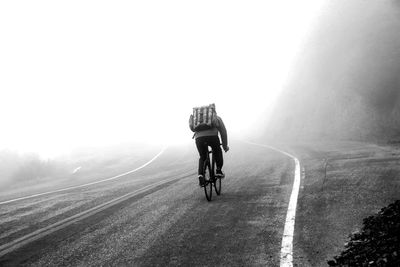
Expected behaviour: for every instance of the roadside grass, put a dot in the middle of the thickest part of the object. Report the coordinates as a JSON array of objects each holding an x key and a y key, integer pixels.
[{"x": 343, "y": 184}]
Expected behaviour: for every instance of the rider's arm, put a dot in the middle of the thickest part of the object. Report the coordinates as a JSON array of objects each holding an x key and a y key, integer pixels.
[{"x": 222, "y": 130}]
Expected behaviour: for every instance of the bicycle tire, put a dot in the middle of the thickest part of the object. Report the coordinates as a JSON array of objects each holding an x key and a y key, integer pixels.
[
  {"x": 208, "y": 181},
  {"x": 217, "y": 181}
]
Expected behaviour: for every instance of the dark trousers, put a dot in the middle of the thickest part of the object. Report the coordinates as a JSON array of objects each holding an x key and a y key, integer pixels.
[{"x": 202, "y": 144}]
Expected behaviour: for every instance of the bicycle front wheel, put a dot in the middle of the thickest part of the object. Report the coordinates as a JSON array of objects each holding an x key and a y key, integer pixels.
[
  {"x": 208, "y": 183},
  {"x": 217, "y": 181}
]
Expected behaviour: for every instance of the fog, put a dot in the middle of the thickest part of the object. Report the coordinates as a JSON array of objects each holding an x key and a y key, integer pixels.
[
  {"x": 100, "y": 73},
  {"x": 345, "y": 84}
]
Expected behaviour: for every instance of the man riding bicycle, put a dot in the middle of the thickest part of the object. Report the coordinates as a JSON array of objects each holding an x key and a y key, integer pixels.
[{"x": 208, "y": 136}]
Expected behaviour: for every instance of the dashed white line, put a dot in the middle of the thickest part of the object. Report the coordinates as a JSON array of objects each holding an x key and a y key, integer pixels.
[
  {"x": 286, "y": 256},
  {"x": 76, "y": 170},
  {"x": 87, "y": 184}
]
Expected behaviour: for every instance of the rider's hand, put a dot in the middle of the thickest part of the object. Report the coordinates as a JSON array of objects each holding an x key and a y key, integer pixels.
[{"x": 226, "y": 148}]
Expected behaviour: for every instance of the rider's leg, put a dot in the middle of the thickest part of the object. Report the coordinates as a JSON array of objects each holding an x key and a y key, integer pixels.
[
  {"x": 216, "y": 147},
  {"x": 203, "y": 150}
]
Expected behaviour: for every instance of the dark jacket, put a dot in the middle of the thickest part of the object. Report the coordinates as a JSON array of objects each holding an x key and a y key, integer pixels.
[{"x": 220, "y": 127}]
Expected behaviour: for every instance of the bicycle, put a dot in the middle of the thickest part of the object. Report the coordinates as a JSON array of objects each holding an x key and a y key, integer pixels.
[{"x": 210, "y": 180}]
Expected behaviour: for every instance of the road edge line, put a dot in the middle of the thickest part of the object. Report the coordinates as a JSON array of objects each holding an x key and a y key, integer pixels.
[{"x": 286, "y": 255}]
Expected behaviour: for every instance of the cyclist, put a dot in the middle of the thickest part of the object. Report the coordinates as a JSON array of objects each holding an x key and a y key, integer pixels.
[{"x": 210, "y": 138}]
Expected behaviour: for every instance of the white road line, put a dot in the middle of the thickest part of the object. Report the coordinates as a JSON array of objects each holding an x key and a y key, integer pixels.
[
  {"x": 17, "y": 243},
  {"x": 83, "y": 185},
  {"x": 286, "y": 257}
]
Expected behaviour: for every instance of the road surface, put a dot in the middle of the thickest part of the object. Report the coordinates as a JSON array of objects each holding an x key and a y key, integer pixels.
[{"x": 162, "y": 218}]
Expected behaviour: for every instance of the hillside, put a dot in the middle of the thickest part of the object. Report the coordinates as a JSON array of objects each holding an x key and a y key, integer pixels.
[{"x": 345, "y": 84}]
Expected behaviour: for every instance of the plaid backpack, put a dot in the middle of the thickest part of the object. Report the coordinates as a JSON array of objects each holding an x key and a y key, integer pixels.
[{"x": 203, "y": 118}]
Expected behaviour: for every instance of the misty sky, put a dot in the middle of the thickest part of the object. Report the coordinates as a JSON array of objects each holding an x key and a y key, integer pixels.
[{"x": 100, "y": 72}]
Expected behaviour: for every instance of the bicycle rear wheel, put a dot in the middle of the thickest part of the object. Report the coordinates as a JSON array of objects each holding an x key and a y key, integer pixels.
[{"x": 208, "y": 181}]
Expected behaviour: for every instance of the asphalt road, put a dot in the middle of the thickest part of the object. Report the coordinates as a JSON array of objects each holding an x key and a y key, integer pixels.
[{"x": 170, "y": 224}]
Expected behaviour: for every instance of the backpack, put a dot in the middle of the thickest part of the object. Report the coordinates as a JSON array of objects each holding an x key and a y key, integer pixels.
[{"x": 203, "y": 118}]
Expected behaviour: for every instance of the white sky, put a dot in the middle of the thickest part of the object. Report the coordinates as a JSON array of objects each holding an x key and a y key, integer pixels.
[{"x": 78, "y": 73}]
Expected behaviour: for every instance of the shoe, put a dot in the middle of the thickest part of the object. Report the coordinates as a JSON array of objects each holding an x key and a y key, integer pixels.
[
  {"x": 219, "y": 174},
  {"x": 201, "y": 180}
]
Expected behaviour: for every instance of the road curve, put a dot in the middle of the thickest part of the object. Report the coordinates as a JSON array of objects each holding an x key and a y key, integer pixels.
[
  {"x": 286, "y": 259},
  {"x": 172, "y": 224}
]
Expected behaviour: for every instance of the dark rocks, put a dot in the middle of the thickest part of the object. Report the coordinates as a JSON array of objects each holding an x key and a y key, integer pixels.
[{"x": 377, "y": 244}]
